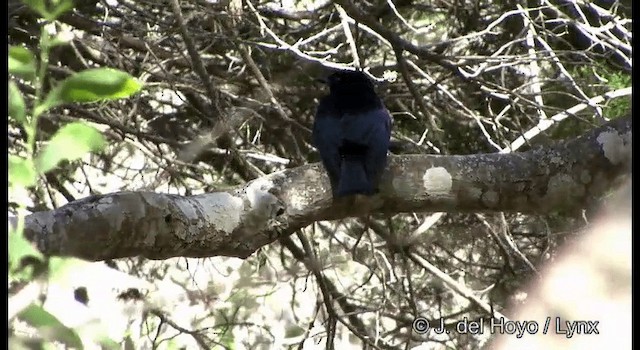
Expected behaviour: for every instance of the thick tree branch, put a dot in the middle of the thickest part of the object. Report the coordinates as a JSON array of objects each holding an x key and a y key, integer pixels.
[{"x": 241, "y": 220}]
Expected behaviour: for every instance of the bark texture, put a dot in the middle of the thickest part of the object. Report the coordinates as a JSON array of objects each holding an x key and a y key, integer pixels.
[{"x": 239, "y": 221}]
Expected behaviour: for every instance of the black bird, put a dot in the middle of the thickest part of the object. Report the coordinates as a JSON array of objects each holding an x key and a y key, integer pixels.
[{"x": 352, "y": 131}]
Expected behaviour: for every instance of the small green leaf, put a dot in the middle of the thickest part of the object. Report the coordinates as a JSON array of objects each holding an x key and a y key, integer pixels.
[
  {"x": 57, "y": 7},
  {"x": 49, "y": 327},
  {"x": 108, "y": 343},
  {"x": 20, "y": 247},
  {"x": 228, "y": 340},
  {"x": 21, "y": 62},
  {"x": 71, "y": 142},
  {"x": 21, "y": 172},
  {"x": 16, "y": 103},
  {"x": 38, "y": 6},
  {"x": 94, "y": 85}
]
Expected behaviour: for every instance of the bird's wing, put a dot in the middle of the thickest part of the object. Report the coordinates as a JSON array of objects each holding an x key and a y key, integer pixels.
[
  {"x": 327, "y": 137},
  {"x": 373, "y": 129}
]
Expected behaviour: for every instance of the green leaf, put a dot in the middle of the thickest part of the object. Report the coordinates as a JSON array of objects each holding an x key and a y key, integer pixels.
[
  {"x": 21, "y": 172},
  {"x": 21, "y": 62},
  {"x": 38, "y": 6},
  {"x": 108, "y": 343},
  {"x": 49, "y": 327},
  {"x": 228, "y": 340},
  {"x": 57, "y": 7},
  {"x": 16, "y": 103},
  {"x": 60, "y": 7},
  {"x": 20, "y": 247},
  {"x": 93, "y": 85},
  {"x": 70, "y": 143}
]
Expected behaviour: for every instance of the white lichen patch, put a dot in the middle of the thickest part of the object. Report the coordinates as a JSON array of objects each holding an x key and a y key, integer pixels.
[
  {"x": 616, "y": 147},
  {"x": 297, "y": 202},
  {"x": 221, "y": 210},
  {"x": 437, "y": 181},
  {"x": 106, "y": 200},
  {"x": 264, "y": 204}
]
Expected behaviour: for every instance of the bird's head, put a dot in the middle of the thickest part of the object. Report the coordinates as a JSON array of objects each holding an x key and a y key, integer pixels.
[{"x": 347, "y": 82}]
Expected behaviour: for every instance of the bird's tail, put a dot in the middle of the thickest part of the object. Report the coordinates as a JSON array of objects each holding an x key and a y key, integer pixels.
[{"x": 353, "y": 176}]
